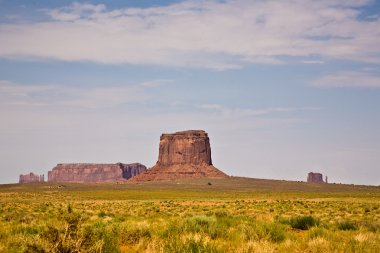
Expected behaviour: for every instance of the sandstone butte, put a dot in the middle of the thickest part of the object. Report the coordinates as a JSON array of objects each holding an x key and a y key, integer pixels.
[
  {"x": 94, "y": 173},
  {"x": 315, "y": 178},
  {"x": 182, "y": 155},
  {"x": 31, "y": 178}
]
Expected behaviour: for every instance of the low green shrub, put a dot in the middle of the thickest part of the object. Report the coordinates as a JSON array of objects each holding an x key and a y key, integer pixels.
[
  {"x": 133, "y": 235},
  {"x": 258, "y": 231},
  {"x": 190, "y": 246},
  {"x": 212, "y": 226},
  {"x": 221, "y": 213},
  {"x": 199, "y": 224},
  {"x": 347, "y": 225},
  {"x": 26, "y": 230},
  {"x": 316, "y": 232},
  {"x": 303, "y": 222},
  {"x": 173, "y": 230},
  {"x": 282, "y": 220},
  {"x": 72, "y": 235},
  {"x": 101, "y": 237},
  {"x": 276, "y": 232},
  {"x": 373, "y": 226},
  {"x": 102, "y": 214}
]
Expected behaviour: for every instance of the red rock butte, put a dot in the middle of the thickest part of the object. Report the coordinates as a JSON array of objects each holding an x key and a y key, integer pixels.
[
  {"x": 315, "y": 178},
  {"x": 182, "y": 155}
]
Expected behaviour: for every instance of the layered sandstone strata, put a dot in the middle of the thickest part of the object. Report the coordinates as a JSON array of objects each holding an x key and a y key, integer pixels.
[
  {"x": 92, "y": 172},
  {"x": 188, "y": 147},
  {"x": 182, "y": 155},
  {"x": 31, "y": 178}
]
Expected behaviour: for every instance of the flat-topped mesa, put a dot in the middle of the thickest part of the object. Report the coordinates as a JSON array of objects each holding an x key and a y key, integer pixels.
[
  {"x": 182, "y": 155},
  {"x": 31, "y": 178},
  {"x": 315, "y": 178},
  {"x": 187, "y": 147},
  {"x": 93, "y": 172}
]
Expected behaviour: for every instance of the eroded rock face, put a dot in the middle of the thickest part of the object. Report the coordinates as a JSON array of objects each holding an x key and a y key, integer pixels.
[
  {"x": 31, "y": 178},
  {"x": 188, "y": 147},
  {"x": 92, "y": 172},
  {"x": 315, "y": 177},
  {"x": 182, "y": 155}
]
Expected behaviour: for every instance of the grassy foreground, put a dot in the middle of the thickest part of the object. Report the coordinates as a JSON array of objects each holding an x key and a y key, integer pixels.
[{"x": 229, "y": 215}]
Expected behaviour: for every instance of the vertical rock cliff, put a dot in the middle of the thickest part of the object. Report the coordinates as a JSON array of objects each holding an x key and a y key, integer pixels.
[
  {"x": 92, "y": 172},
  {"x": 188, "y": 147},
  {"x": 184, "y": 154},
  {"x": 315, "y": 178}
]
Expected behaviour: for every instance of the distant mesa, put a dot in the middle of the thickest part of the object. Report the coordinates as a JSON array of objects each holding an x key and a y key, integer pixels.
[
  {"x": 315, "y": 178},
  {"x": 31, "y": 178},
  {"x": 182, "y": 155},
  {"x": 94, "y": 173}
]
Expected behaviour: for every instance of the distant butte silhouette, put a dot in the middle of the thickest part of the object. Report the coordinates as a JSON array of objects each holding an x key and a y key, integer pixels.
[
  {"x": 314, "y": 177},
  {"x": 182, "y": 155},
  {"x": 94, "y": 172}
]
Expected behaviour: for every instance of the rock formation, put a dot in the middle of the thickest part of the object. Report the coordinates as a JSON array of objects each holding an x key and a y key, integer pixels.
[
  {"x": 182, "y": 155},
  {"x": 31, "y": 177},
  {"x": 315, "y": 178},
  {"x": 92, "y": 172}
]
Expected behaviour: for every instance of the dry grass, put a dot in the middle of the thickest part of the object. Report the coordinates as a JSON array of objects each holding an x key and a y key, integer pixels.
[{"x": 230, "y": 215}]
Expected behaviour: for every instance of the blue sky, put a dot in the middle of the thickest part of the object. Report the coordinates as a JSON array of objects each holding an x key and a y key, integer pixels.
[{"x": 282, "y": 87}]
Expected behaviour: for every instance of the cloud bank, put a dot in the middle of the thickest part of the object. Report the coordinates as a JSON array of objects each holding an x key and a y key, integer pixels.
[
  {"x": 360, "y": 79},
  {"x": 55, "y": 95},
  {"x": 206, "y": 34}
]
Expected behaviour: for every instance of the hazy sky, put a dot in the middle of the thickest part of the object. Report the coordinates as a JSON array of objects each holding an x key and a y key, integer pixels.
[{"x": 282, "y": 87}]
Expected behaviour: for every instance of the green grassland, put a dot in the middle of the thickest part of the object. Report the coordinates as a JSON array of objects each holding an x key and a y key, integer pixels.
[{"x": 225, "y": 215}]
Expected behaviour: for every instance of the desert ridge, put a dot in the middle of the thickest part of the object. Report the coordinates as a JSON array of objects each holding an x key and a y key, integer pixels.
[{"x": 182, "y": 155}]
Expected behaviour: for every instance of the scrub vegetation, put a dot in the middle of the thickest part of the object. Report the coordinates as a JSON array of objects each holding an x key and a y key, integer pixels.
[{"x": 227, "y": 215}]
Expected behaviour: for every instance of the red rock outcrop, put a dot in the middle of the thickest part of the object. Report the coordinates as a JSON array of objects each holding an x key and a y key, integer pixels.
[
  {"x": 92, "y": 172},
  {"x": 182, "y": 155},
  {"x": 31, "y": 178},
  {"x": 315, "y": 178},
  {"x": 188, "y": 147}
]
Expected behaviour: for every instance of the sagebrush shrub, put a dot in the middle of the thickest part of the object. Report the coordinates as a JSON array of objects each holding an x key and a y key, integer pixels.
[
  {"x": 133, "y": 235},
  {"x": 347, "y": 225},
  {"x": 303, "y": 222}
]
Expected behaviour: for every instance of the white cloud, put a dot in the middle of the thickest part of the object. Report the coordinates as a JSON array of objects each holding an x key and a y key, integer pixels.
[
  {"x": 247, "y": 112},
  {"x": 313, "y": 62},
  {"x": 157, "y": 83},
  {"x": 349, "y": 79},
  {"x": 209, "y": 34},
  {"x": 212, "y": 106},
  {"x": 76, "y": 11},
  {"x": 48, "y": 95}
]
